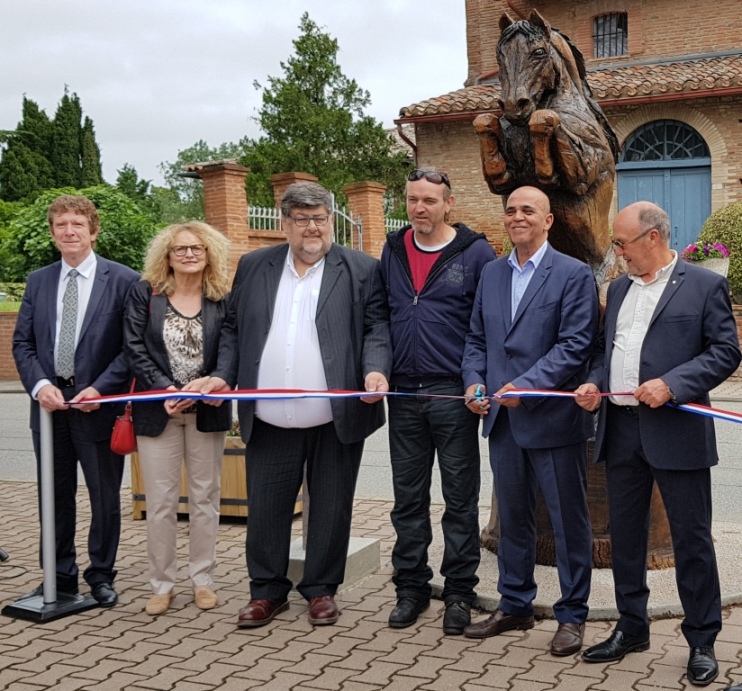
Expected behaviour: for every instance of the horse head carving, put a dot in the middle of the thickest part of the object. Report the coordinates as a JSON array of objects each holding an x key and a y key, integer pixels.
[{"x": 552, "y": 135}]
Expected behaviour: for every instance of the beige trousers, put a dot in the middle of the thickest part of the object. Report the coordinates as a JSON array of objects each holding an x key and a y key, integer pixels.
[{"x": 161, "y": 459}]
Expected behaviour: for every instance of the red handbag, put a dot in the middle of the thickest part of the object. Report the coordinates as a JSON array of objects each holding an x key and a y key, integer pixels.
[{"x": 123, "y": 439}]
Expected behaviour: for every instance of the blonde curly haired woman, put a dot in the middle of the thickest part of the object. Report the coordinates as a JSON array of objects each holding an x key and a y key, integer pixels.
[{"x": 172, "y": 322}]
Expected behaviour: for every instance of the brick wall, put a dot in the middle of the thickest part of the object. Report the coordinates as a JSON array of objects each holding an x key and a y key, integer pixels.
[
  {"x": 7, "y": 326},
  {"x": 655, "y": 27}
]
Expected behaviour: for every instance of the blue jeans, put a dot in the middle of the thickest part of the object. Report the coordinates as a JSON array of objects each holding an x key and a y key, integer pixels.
[{"x": 418, "y": 428}]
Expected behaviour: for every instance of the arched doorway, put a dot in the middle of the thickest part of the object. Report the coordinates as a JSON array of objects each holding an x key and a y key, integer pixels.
[{"x": 667, "y": 162}]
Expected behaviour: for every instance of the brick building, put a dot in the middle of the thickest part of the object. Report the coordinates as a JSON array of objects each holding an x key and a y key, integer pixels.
[{"x": 667, "y": 74}]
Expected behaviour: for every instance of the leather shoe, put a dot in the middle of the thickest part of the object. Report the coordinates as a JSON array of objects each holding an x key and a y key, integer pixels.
[
  {"x": 702, "y": 666},
  {"x": 736, "y": 687},
  {"x": 104, "y": 594},
  {"x": 158, "y": 604},
  {"x": 567, "y": 639},
  {"x": 615, "y": 647},
  {"x": 260, "y": 612},
  {"x": 406, "y": 612},
  {"x": 323, "y": 610},
  {"x": 456, "y": 618},
  {"x": 498, "y": 623}
]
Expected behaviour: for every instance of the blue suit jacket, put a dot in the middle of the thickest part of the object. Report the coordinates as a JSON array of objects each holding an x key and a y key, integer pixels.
[
  {"x": 99, "y": 360},
  {"x": 692, "y": 346},
  {"x": 546, "y": 346}
]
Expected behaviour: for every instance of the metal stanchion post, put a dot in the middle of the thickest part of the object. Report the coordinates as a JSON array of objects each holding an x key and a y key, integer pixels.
[{"x": 51, "y": 605}]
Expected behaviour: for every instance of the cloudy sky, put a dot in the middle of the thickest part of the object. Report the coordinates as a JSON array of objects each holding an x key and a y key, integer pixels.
[{"x": 158, "y": 75}]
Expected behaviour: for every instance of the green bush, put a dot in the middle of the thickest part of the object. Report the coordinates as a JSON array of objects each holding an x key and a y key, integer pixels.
[
  {"x": 725, "y": 226},
  {"x": 13, "y": 291}
]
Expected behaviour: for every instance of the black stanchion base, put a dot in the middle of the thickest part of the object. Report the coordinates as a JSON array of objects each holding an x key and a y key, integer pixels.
[{"x": 33, "y": 607}]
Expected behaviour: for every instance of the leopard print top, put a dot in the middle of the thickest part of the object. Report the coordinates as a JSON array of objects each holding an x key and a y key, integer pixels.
[{"x": 184, "y": 340}]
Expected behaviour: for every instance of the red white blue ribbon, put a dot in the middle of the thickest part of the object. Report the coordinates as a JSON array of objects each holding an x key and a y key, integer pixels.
[{"x": 285, "y": 394}]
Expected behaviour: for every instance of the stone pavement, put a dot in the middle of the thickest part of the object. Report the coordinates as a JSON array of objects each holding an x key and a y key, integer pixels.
[{"x": 190, "y": 650}]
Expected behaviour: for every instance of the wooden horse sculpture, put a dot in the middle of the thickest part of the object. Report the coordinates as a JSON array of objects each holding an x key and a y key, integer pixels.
[{"x": 551, "y": 135}]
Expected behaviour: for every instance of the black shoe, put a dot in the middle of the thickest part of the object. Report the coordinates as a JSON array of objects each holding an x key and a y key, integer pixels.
[
  {"x": 702, "y": 666},
  {"x": 457, "y": 616},
  {"x": 407, "y": 611},
  {"x": 616, "y": 647},
  {"x": 38, "y": 591},
  {"x": 736, "y": 687},
  {"x": 104, "y": 594}
]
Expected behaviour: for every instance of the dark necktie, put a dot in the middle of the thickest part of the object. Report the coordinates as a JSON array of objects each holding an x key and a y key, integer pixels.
[{"x": 66, "y": 349}]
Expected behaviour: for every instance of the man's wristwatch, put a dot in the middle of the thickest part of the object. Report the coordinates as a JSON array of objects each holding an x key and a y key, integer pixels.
[{"x": 672, "y": 396}]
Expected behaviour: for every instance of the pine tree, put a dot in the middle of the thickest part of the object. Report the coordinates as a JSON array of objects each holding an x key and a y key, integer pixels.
[
  {"x": 66, "y": 142},
  {"x": 312, "y": 120},
  {"x": 90, "y": 173}
]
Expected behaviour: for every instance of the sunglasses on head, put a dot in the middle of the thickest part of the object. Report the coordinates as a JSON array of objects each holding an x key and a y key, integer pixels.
[{"x": 434, "y": 176}]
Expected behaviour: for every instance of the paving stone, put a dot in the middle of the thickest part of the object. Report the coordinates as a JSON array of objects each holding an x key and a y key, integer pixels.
[
  {"x": 453, "y": 647},
  {"x": 294, "y": 652},
  {"x": 262, "y": 668},
  {"x": 405, "y": 653},
  {"x": 425, "y": 666},
  {"x": 497, "y": 676},
  {"x": 448, "y": 681},
  {"x": 357, "y": 659},
  {"x": 331, "y": 678},
  {"x": 37, "y": 659},
  {"x": 546, "y": 670},
  {"x": 351, "y": 685},
  {"x": 470, "y": 661},
  {"x": 566, "y": 681},
  {"x": 618, "y": 679},
  {"x": 165, "y": 680}
]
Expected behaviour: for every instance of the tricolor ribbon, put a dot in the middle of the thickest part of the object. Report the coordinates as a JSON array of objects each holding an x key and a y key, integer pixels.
[{"x": 285, "y": 394}]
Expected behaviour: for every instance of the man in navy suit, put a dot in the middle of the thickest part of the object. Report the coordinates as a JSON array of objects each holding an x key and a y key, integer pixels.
[
  {"x": 533, "y": 326},
  {"x": 669, "y": 337},
  {"x": 306, "y": 314},
  {"x": 88, "y": 328}
]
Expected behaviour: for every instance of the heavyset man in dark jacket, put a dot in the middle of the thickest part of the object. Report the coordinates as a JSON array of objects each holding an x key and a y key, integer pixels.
[{"x": 431, "y": 270}]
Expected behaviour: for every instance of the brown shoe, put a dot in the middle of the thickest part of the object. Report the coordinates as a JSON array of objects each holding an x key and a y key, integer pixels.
[
  {"x": 567, "y": 639},
  {"x": 323, "y": 610},
  {"x": 497, "y": 623},
  {"x": 158, "y": 604},
  {"x": 260, "y": 612}
]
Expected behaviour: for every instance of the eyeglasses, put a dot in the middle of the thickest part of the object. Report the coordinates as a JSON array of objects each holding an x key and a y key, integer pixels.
[
  {"x": 434, "y": 176},
  {"x": 619, "y": 244},
  {"x": 304, "y": 221},
  {"x": 181, "y": 250}
]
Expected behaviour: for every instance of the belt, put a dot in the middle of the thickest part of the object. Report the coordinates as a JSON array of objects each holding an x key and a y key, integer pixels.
[
  {"x": 628, "y": 409},
  {"x": 63, "y": 383},
  {"x": 407, "y": 384}
]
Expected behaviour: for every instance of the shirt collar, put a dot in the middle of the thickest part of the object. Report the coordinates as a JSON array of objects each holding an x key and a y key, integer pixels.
[
  {"x": 534, "y": 260},
  {"x": 86, "y": 268},
  {"x": 309, "y": 271},
  {"x": 662, "y": 274}
]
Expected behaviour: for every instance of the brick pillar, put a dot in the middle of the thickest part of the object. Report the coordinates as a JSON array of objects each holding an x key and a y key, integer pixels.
[
  {"x": 225, "y": 204},
  {"x": 281, "y": 181},
  {"x": 367, "y": 200}
]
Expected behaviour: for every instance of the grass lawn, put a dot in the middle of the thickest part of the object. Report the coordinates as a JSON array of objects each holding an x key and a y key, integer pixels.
[{"x": 9, "y": 306}]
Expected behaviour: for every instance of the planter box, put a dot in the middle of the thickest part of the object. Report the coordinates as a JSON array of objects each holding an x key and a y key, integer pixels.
[{"x": 234, "y": 485}]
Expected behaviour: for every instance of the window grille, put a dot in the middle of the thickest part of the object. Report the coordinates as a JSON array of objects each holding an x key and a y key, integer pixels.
[
  {"x": 664, "y": 140},
  {"x": 611, "y": 34}
]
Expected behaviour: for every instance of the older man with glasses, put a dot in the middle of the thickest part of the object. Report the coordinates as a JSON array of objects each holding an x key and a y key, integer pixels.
[
  {"x": 431, "y": 269},
  {"x": 669, "y": 337}
]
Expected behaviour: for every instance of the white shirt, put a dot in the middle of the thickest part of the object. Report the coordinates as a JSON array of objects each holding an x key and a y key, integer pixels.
[
  {"x": 632, "y": 324},
  {"x": 291, "y": 357},
  {"x": 85, "y": 280},
  {"x": 522, "y": 275}
]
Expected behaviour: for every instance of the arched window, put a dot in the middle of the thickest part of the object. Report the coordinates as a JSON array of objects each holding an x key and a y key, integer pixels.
[
  {"x": 611, "y": 34},
  {"x": 664, "y": 140}
]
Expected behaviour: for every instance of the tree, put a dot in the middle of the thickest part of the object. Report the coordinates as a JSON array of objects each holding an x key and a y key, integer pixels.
[
  {"x": 43, "y": 153},
  {"x": 312, "y": 120},
  {"x": 125, "y": 231}
]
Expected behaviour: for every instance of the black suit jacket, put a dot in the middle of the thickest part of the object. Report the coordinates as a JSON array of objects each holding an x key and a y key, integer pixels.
[
  {"x": 146, "y": 353},
  {"x": 352, "y": 326},
  {"x": 692, "y": 346},
  {"x": 99, "y": 359}
]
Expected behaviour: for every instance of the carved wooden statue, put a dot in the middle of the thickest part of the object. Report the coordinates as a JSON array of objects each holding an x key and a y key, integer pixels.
[{"x": 551, "y": 135}]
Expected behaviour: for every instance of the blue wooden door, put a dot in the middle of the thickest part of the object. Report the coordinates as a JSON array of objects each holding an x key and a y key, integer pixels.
[{"x": 684, "y": 192}]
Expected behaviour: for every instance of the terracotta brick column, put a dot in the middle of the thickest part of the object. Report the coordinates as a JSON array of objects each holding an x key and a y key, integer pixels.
[
  {"x": 281, "y": 181},
  {"x": 225, "y": 204},
  {"x": 367, "y": 200}
]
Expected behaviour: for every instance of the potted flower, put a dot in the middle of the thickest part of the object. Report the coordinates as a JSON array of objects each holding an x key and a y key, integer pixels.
[{"x": 714, "y": 255}]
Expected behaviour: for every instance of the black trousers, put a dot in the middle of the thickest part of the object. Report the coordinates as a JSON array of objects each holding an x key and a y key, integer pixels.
[
  {"x": 275, "y": 460},
  {"x": 103, "y": 471},
  {"x": 687, "y": 498},
  {"x": 420, "y": 427}
]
